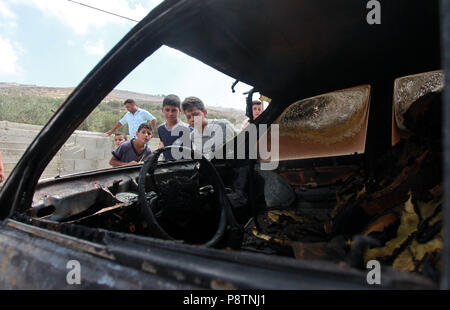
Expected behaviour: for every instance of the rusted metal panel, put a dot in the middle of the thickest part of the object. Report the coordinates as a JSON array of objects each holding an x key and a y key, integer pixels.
[
  {"x": 400, "y": 207},
  {"x": 407, "y": 90},
  {"x": 320, "y": 176},
  {"x": 33, "y": 261},
  {"x": 289, "y": 72},
  {"x": 29, "y": 261},
  {"x": 328, "y": 125}
]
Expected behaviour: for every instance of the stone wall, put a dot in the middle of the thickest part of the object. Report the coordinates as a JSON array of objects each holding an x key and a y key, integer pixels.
[{"x": 83, "y": 151}]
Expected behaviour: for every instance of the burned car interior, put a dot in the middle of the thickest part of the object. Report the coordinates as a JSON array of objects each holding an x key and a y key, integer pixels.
[{"x": 359, "y": 173}]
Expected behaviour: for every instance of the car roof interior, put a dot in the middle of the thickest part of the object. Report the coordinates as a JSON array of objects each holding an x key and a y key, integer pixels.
[{"x": 293, "y": 50}]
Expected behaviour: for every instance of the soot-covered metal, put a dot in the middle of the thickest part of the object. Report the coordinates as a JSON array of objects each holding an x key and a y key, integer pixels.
[{"x": 315, "y": 221}]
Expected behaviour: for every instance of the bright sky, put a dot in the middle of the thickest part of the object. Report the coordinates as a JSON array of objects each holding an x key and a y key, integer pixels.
[{"x": 58, "y": 42}]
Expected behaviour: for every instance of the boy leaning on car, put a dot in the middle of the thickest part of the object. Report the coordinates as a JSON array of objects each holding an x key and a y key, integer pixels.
[{"x": 135, "y": 150}]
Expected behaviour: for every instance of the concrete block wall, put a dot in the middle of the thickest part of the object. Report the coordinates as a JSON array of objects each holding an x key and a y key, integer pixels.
[{"x": 83, "y": 151}]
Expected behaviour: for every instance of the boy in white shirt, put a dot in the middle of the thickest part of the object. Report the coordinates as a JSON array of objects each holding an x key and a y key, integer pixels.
[{"x": 209, "y": 133}]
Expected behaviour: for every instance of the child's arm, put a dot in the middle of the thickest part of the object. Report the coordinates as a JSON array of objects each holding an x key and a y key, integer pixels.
[
  {"x": 161, "y": 144},
  {"x": 117, "y": 163}
]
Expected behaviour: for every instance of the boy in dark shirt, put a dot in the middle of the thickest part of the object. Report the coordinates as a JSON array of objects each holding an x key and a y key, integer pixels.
[
  {"x": 171, "y": 132},
  {"x": 134, "y": 151}
]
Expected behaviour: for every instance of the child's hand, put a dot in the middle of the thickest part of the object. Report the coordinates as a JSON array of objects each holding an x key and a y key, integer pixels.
[
  {"x": 133, "y": 162},
  {"x": 2, "y": 176}
]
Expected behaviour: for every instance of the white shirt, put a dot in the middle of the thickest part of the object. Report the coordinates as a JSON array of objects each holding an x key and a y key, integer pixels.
[
  {"x": 215, "y": 134},
  {"x": 135, "y": 120}
]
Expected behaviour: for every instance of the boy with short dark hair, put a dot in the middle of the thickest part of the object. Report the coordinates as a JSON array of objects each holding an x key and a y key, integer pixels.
[
  {"x": 171, "y": 132},
  {"x": 257, "y": 108},
  {"x": 119, "y": 138},
  {"x": 134, "y": 151},
  {"x": 204, "y": 138}
]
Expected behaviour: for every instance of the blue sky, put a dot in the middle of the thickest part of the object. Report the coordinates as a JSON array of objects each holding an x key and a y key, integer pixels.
[{"x": 57, "y": 42}]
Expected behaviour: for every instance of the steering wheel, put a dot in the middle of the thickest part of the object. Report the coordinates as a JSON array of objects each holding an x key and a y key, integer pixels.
[{"x": 148, "y": 201}]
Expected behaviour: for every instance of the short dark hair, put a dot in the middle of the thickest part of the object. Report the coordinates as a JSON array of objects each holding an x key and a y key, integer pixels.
[
  {"x": 193, "y": 102},
  {"x": 256, "y": 102},
  {"x": 172, "y": 100},
  {"x": 146, "y": 126},
  {"x": 119, "y": 133},
  {"x": 130, "y": 101}
]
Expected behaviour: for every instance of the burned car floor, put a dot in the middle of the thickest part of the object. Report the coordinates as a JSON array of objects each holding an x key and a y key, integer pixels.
[{"x": 359, "y": 174}]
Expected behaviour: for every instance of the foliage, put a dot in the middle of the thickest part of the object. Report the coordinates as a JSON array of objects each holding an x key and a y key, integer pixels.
[
  {"x": 15, "y": 106},
  {"x": 27, "y": 109}
]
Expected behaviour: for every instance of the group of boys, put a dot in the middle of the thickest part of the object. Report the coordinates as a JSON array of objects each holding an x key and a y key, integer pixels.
[
  {"x": 198, "y": 133},
  {"x": 171, "y": 132}
]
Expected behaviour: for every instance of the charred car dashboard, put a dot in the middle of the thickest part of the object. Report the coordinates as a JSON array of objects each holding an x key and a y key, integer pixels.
[{"x": 358, "y": 178}]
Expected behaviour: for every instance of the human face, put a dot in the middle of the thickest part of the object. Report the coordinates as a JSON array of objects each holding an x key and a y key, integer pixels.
[
  {"x": 195, "y": 113},
  {"x": 171, "y": 113},
  {"x": 118, "y": 140},
  {"x": 257, "y": 110},
  {"x": 144, "y": 135},
  {"x": 131, "y": 107}
]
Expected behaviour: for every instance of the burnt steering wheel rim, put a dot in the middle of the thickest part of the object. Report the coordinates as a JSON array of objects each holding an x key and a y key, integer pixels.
[{"x": 149, "y": 167}]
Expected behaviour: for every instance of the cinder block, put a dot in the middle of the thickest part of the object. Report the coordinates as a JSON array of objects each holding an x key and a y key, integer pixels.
[
  {"x": 14, "y": 145},
  {"x": 11, "y": 160},
  {"x": 49, "y": 173},
  {"x": 89, "y": 133},
  {"x": 54, "y": 165},
  {"x": 71, "y": 140},
  {"x": 10, "y": 153},
  {"x": 9, "y": 166},
  {"x": 97, "y": 153},
  {"x": 85, "y": 165},
  {"x": 74, "y": 152},
  {"x": 82, "y": 151},
  {"x": 16, "y": 138},
  {"x": 104, "y": 142},
  {"x": 6, "y": 124},
  {"x": 18, "y": 132},
  {"x": 103, "y": 164},
  {"x": 68, "y": 165},
  {"x": 86, "y": 142},
  {"x": 56, "y": 160}
]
